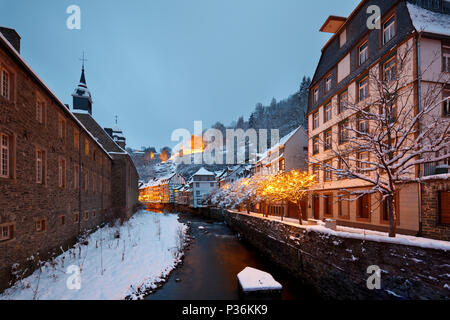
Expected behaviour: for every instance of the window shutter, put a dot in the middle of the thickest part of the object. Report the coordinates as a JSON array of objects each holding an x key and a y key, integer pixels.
[{"x": 445, "y": 207}]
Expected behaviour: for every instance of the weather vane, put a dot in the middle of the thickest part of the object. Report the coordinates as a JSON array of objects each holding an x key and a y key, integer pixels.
[{"x": 83, "y": 59}]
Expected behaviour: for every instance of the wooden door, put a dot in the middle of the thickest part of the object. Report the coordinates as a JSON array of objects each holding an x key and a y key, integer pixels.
[{"x": 316, "y": 207}]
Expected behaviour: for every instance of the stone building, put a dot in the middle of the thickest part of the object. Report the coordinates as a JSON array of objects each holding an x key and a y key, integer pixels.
[
  {"x": 57, "y": 178},
  {"x": 419, "y": 28}
]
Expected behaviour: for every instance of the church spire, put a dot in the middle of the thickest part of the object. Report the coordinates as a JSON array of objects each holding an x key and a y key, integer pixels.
[{"x": 82, "y": 100}]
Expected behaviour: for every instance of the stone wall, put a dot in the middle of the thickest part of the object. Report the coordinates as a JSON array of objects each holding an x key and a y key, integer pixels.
[
  {"x": 431, "y": 222},
  {"x": 337, "y": 267}
]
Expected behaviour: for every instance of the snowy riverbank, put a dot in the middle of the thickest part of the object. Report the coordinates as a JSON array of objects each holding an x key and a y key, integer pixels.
[{"x": 114, "y": 262}]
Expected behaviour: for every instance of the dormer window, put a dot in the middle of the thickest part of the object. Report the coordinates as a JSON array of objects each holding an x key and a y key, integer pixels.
[
  {"x": 316, "y": 95},
  {"x": 388, "y": 30},
  {"x": 363, "y": 53},
  {"x": 328, "y": 83}
]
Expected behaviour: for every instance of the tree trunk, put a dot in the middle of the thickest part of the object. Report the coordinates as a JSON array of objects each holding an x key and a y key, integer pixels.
[
  {"x": 300, "y": 210},
  {"x": 392, "y": 218}
]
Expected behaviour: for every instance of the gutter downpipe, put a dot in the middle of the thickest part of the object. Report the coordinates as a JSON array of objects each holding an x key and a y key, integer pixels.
[{"x": 419, "y": 105}]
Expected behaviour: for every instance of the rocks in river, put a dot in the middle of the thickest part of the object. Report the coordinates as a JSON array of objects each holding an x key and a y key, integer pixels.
[{"x": 177, "y": 280}]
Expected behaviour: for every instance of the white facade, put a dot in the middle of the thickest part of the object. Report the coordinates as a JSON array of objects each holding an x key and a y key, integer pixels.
[{"x": 201, "y": 184}]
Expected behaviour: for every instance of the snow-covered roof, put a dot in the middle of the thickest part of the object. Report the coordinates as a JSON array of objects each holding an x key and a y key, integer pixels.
[
  {"x": 203, "y": 172},
  {"x": 429, "y": 21},
  {"x": 280, "y": 144}
]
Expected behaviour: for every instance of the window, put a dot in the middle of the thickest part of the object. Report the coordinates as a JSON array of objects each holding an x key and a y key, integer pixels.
[
  {"x": 76, "y": 217},
  {"x": 40, "y": 156},
  {"x": 342, "y": 38},
  {"x": 446, "y": 59},
  {"x": 327, "y": 112},
  {"x": 363, "y": 53},
  {"x": 315, "y": 171},
  {"x": 4, "y": 163},
  {"x": 40, "y": 112},
  {"x": 363, "y": 158},
  {"x": 446, "y": 104},
  {"x": 328, "y": 83},
  {"x": 388, "y": 30},
  {"x": 198, "y": 193},
  {"x": 282, "y": 165},
  {"x": 363, "y": 124},
  {"x": 62, "y": 173},
  {"x": 86, "y": 181},
  {"x": 76, "y": 139},
  {"x": 363, "y": 206},
  {"x": 211, "y": 185},
  {"x": 86, "y": 215},
  {"x": 363, "y": 89},
  {"x": 6, "y": 232},
  {"x": 315, "y": 145},
  {"x": 343, "y": 166},
  {"x": 328, "y": 174},
  {"x": 390, "y": 70},
  {"x": 62, "y": 220},
  {"x": 316, "y": 120},
  {"x": 94, "y": 155},
  {"x": 197, "y": 184},
  {"x": 61, "y": 127},
  {"x": 5, "y": 84},
  {"x": 94, "y": 182},
  {"x": 343, "y": 132},
  {"x": 328, "y": 204},
  {"x": 40, "y": 225},
  {"x": 316, "y": 95},
  {"x": 94, "y": 214},
  {"x": 343, "y": 206},
  {"x": 343, "y": 101},
  {"x": 327, "y": 138},
  {"x": 86, "y": 147},
  {"x": 76, "y": 177}
]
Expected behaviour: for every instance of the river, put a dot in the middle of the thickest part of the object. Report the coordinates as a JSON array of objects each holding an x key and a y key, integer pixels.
[{"x": 211, "y": 265}]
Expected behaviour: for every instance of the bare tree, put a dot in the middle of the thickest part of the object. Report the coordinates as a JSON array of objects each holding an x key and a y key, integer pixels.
[{"x": 389, "y": 130}]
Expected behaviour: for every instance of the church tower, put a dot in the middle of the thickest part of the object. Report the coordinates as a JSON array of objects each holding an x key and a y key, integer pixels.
[{"x": 82, "y": 100}]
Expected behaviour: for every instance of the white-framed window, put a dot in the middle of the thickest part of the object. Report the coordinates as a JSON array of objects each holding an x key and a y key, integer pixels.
[
  {"x": 6, "y": 232},
  {"x": 5, "y": 84},
  {"x": 76, "y": 176},
  {"x": 40, "y": 166},
  {"x": 390, "y": 70},
  {"x": 363, "y": 89},
  {"x": 316, "y": 120},
  {"x": 327, "y": 112},
  {"x": 363, "y": 52},
  {"x": 40, "y": 112},
  {"x": 4, "y": 154},
  {"x": 328, "y": 82},
  {"x": 388, "y": 30},
  {"x": 61, "y": 173},
  {"x": 446, "y": 59},
  {"x": 327, "y": 139},
  {"x": 316, "y": 94}
]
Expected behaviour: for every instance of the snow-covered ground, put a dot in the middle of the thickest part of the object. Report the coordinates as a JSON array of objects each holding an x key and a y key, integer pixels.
[
  {"x": 148, "y": 248},
  {"x": 362, "y": 234}
]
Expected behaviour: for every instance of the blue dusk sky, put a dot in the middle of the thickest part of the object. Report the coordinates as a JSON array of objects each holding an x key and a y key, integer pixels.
[{"x": 160, "y": 65}]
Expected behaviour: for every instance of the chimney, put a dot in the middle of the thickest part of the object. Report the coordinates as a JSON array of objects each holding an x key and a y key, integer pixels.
[{"x": 12, "y": 36}]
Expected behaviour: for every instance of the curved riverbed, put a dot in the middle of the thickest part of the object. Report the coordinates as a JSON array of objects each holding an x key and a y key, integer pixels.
[{"x": 211, "y": 265}]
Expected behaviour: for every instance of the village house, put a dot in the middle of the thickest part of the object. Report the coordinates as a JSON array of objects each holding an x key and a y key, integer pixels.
[
  {"x": 352, "y": 53},
  {"x": 202, "y": 183},
  {"x": 162, "y": 190},
  {"x": 291, "y": 153},
  {"x": 56, "y": 178}
]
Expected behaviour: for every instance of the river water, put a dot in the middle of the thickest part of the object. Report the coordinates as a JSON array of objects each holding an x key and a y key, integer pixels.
[{"x": 211, "y": 265}]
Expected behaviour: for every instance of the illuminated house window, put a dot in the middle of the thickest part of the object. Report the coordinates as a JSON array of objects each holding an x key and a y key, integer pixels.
[
  {"x": 4, "y": 161},
  {"x": 86, "y": 147},
  {"x": 363, "y": 53},
  {"x": 388, "y": 30},
  {"x": 76, "y": 139}
]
